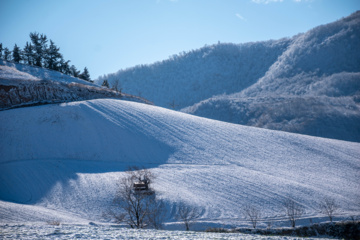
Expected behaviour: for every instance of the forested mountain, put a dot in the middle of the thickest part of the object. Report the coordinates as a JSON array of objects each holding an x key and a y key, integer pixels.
[{"x": 308, "y": 84}]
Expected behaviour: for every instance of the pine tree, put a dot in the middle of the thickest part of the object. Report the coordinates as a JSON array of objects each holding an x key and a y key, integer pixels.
[
  {"x": 53, "y": 57},
  {"x": 7, "y": 54},
  {"x": 74, "y": 72},
  {"x": 1, "y": 49},
  {"x": 39, "y": 42},
  {"x": 28, "y": 53},
  {"x": 85, "y": 74},
  {"x": 16, "y": 54},
  {"x": 65, "y": 67}
]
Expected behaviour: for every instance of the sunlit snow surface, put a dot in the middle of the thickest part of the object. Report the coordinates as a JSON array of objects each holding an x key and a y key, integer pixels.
[
  {"x": 62, "y": 162},
  {"x": 41, "y": 231}
]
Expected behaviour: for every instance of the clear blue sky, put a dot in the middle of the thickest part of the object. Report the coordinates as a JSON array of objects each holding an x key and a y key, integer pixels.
[{"x": 109, "y": 35}]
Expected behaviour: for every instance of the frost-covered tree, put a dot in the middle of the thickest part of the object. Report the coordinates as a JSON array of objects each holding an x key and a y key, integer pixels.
[
  {"x": 85, "y": 74},
  {"x": 16, "y": 54}
]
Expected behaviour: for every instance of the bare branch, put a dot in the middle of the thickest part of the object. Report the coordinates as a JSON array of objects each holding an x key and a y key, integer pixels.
[
  {"x": 328, "y": 207},
  {"x": 253, "y": 214}
]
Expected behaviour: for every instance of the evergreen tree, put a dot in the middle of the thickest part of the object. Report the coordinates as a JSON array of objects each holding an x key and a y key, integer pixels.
[
  {"x": 1, "y": 49},
  {"x": 28, "y": 53},
  {"x": 53, "y": 57},
  {"x": 39, "y": 42},
  {"x": 105, "y": 83},
  {"x": 65, "y": 67},
  {"x": 74, "y": 72},
  {"x": 7, "y": 54},
  {"x": 16, "y": 54},
  {"x": 85, "y": 74}
]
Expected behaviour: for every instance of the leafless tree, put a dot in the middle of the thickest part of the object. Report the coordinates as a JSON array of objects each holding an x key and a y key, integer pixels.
[
  {"x": 116, "y": 85},
  {"x": 252, "y": 214},
  {"x": 136, "y": 200},
  {"x": 156, "y": 217},
  {"x": 187, "y": 214},
  {"x": 328, "y": 206},
  {"x": 293, "y": 210}
]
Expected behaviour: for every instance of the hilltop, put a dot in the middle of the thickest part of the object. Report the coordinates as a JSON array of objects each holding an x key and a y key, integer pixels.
[{"x": 306, "y": 84}]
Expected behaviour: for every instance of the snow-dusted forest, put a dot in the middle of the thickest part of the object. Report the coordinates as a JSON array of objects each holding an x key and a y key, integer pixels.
[{"x": 306, "y": 84}]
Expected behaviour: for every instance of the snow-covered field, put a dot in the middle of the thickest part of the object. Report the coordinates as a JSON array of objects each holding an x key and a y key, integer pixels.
[
  {"x": 61, "y": 163},
  {"x": 48, "y": 231}
]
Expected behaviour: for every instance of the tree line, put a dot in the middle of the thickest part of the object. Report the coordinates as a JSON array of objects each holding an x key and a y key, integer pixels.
[{"x": 39, "y": 53}]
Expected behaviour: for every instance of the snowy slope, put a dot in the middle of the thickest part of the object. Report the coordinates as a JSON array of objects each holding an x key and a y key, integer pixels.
[
  {"x": 23, "y": 85},
  {"x": 272, "y": 84},
  {"x": 61, "y": 162},
  {"x": 19, "y": 71}
]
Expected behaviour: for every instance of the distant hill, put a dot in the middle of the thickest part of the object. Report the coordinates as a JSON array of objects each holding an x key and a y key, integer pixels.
[{"x": 307, "y": 84}]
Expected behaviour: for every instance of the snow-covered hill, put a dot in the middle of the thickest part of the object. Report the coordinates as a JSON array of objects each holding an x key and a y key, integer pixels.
[
  {"x": 24, "y": 85},
  {"x": 307, "y": 84},
  {"x": 61, "y": 162}
]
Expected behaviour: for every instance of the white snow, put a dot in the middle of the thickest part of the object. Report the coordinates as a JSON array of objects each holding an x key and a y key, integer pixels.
[
  {"x": 18, "y": 71},
  {"x": 61, "y": 162}
]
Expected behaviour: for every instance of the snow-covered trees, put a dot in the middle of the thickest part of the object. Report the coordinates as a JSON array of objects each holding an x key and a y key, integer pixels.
[{"x": 39, "y": 53}]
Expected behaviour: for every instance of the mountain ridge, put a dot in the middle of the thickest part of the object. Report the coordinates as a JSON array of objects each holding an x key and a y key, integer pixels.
[{"x": 320, "y": 67}]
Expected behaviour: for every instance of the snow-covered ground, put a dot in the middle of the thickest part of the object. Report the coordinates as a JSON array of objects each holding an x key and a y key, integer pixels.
[
  {"x": 18, "y": 71},
  {"x": 48, "y": 231},
  {"x": 61, "y": 162}
]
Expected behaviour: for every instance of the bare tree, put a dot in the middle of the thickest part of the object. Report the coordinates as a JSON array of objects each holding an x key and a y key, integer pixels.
[
  {"x": 293, "y": 210},
  {"x": 136, "y": 200},
  {"x": 187, "y": 214},
  {"x": 252, "y": 214},
  {"x": 156, "y": 217},
  {"x": 116, "y": 85},
  {"x": 328, "y": 206}
]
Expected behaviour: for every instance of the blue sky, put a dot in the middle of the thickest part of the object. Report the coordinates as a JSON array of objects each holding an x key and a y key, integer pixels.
[{"x": 109, "y": 35}]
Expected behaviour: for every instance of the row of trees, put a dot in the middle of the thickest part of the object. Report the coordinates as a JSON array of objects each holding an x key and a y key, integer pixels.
[
  {"x": 293, "y": 210},
  {"x": 137, "y": 205},
  {"x": 41, "y": 54}
]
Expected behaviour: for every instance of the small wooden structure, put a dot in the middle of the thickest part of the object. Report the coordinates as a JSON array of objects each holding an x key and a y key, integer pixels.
[{"x": 141, "y": 185}]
